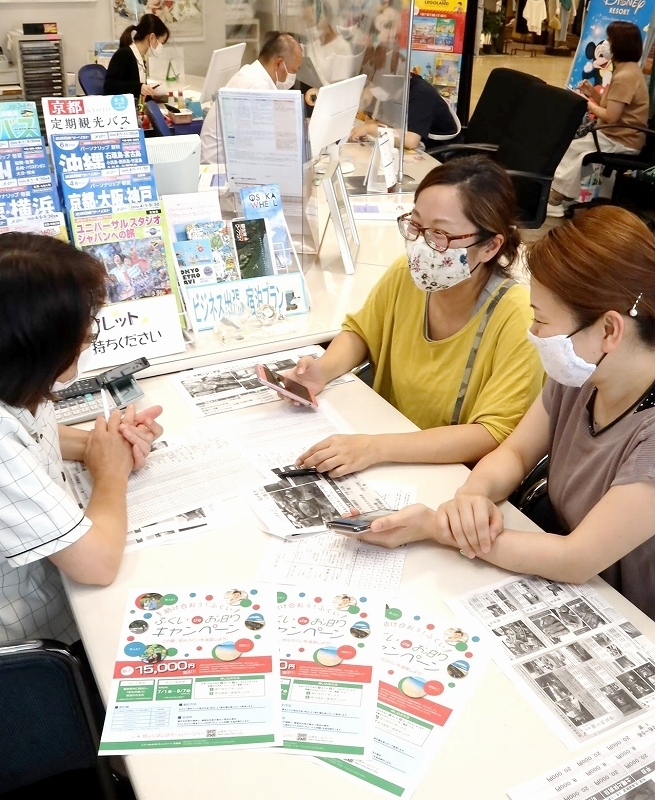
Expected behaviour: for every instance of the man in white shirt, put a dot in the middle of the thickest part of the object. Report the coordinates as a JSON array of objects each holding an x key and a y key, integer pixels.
[{"x": 279, "y": 60}]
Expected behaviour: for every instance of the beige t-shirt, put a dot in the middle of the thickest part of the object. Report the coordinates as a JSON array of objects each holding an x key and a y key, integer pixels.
[
  {"x": 583, "y": 468},
  {"x": 628, "y": 86}
]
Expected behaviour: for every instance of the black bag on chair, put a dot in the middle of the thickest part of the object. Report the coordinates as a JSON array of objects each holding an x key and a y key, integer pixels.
[{"x": 531, "y": 498}]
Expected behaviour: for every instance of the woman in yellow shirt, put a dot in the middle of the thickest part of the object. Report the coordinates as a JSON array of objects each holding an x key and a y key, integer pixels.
[{"x": 445, "y": 328}]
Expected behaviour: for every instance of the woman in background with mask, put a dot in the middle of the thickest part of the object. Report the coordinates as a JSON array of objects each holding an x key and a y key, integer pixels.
[
  {"x": 593, "y": 295},
  {"x": 444, "y": 328},
  {"x": 49, "y": 295},
  {"x": 127, "y": 72}
]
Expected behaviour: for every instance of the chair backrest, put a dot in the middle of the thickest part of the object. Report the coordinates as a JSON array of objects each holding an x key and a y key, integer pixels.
[
  {"x": 157, "y": 119},
  {"x": 92, "y": 78},
  {"x": 501, "y": 97},
  {"x": 541, "y": 132},
  {"x": 46, "y": 722}
]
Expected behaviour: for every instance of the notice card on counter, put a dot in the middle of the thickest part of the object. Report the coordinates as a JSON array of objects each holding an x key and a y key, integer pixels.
[{"x": 196, "y": 667}]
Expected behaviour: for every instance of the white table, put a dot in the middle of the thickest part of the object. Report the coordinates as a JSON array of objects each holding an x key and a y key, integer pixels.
[{"x": 498, "y": 742}]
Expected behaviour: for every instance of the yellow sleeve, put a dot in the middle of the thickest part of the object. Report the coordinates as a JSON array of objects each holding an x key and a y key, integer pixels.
[
  {"x": 374, "y": 321},
  {"x": 516, "y": 375}
]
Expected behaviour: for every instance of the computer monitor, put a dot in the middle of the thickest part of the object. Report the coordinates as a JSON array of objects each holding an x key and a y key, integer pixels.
[
  {"x": 225, "y": 63},
  {"x": 175, "y": 163},
  {"x": 336, "y": 106}
]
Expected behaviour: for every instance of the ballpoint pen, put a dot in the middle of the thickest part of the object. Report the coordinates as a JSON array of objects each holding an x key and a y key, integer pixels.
[{"x": 105, "y": 403}]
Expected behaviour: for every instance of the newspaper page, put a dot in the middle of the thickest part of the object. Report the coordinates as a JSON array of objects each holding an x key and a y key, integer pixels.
[
  {"x": 196, "y": 667},
  {"x": 181, "y": 528},
  {"x": 429, "y": 670},
  {"x": 575, "y": 658},
  {"x": 183, "y": 476},
  {"x": 233, "y": 384},
  {"x": 622, "y": 769}
]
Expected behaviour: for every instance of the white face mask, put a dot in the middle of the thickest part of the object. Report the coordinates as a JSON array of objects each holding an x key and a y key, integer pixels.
[
  {"x": 156, "y": 51},
  {"x": 83, "y": 362},
  {"x": 560, "y": 361},
  {"x": 432, "y": 271},
  {"x": 288, "y": 82}
]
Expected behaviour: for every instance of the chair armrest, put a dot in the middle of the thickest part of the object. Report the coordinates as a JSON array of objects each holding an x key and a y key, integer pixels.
[
  {"x": 361, "y": 367},
  {"x": 462, "y": 148},
  {"x": 602, "y": 129}
]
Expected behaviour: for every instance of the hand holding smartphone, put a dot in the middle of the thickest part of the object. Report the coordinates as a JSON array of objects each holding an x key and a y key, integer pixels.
[
  {"x": 285, "y": 386},
  {"x": 359, "y": 523}
]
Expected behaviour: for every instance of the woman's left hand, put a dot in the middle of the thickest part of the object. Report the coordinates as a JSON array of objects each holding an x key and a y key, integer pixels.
[
  {"x": 341, "y": 454},
  {"x": 141, "y": 430}
]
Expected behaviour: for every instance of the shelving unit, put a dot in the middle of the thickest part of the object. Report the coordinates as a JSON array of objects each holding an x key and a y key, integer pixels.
[{"x": 40, "y": 63}]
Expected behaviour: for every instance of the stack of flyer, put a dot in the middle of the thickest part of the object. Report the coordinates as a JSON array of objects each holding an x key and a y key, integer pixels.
[
  {"x": 228, "y": 269},
  {"x": 28, "y": 198}
]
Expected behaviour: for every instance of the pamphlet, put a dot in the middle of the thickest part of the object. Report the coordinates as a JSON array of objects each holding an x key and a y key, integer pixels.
[
  {"x": 79, "y": 152},
  {"x": 581, "y": 664},
  {"x": 253, "y": 247},
  {"x": 430, "y": 668},
  {"x": 197, "y": 667},
  {"x": 217, "y": 235},
  {"x": 266, "y": 202},
  {"x": 621, "y": 769},
  {"x": 19, "y": 120},
  {"x": 330, "y": 640},
  {"x": 105, "y": 190}
]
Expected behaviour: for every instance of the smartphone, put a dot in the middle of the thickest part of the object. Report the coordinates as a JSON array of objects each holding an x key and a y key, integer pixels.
[
  {"x": 360, "y": 523},
  {"x": 292, "y": 389}
]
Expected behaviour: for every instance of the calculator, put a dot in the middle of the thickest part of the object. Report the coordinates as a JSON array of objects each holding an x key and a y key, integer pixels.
[{"x": 82, "y": 402}]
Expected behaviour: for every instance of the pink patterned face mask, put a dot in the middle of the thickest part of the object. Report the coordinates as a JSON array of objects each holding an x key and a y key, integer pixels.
[{"x": 432, "y": 271}]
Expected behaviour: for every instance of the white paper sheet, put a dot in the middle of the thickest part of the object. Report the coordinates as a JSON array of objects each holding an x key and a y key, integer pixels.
[
  {"x": 330, "y": 642},
  {"x": 622, "y": 769},
  {"x": 197, "y": 667},
  {"x": 430, "y": 668},
  {"x": 180, "y": 477},
  {"x": 233, "y": 384},
  {"x": 182, "y": 528},
  {"x": 576, "y": 659}
]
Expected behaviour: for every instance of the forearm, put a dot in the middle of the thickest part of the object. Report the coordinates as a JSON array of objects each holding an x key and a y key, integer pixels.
[
  {"x": 496, "y": 475},
  {"x": 72, "y": 442},
  {"x": 445, "y": 445},
  {"x": 346, "y": 351},
  {"x": 95, "y": 558},
  {"x": 535, "y": 553}
]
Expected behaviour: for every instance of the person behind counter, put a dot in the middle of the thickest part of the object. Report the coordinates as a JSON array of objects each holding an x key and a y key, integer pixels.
[
  {"x": 444, "y": 328},
  {"x": 50, "y": 294},
  {"x": 427, "y": 113},
  {"x": 127, "y": 72},
  {"x": 279, "y": 60},
  {"x": 593, "y": 295}
]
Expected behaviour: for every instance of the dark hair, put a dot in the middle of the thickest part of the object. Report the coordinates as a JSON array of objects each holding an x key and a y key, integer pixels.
[
  {"x": 487, "y": 198},
  {"x": 602, "y": 260},
  {"x": 49, "y": 294},
  {"x": 625, "y": 41},
  {"x": 149, "y": 23},
  {"x": 277, "y": 44}
]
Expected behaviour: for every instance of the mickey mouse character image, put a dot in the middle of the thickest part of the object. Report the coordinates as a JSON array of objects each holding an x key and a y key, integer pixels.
[{"x": 598, "y": 69}]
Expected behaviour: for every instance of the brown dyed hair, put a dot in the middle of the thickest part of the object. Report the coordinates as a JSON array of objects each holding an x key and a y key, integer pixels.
[
  {"x": 49, "y": 294},
  {"x": 600, "y": 261},
  {"x": 488, "y": 200},
  {"x": 625, "y": 41}
]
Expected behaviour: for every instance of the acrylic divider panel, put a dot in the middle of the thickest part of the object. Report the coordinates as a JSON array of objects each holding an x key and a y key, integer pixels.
[
  {"x": 429, "y": 670},
  {"x": 330, "y": 641},
  {"x": 196, "y": 667},
  {"x": 583, "y": 667}
]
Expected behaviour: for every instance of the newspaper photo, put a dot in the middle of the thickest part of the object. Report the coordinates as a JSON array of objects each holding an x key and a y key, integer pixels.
[
  {"x": 583, "y": 666},
  {"x": 306, "y": 503}
]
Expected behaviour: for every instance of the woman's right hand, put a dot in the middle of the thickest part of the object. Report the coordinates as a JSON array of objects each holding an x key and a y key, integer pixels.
[
  {"x": 108, "y": 453},
  {"x": 147, "y": 91},
  {"x": 472, "y": 520},
  {"x": 309, "y": 373}
]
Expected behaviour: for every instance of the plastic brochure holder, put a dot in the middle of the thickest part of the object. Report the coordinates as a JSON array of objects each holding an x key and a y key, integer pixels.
[
  {"x": 381, "y": 174},
  {"x": 341, "y": 214}
]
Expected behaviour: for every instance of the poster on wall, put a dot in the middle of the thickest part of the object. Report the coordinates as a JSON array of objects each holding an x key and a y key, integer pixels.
[
  {"x": 437, "y": 44},
  {"x": 183, "y": 18},
  {"x": 592, "y": 61}
]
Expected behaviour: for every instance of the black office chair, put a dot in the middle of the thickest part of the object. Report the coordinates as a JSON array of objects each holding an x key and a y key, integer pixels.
[
  {"x": 157, "y": 119},
  {"x": 492, "y": 118},
  {"x": 632, "y": 190},
  {"x": 542, "y": 130},
  {"x": 92, "y": 78},
  {"x": 48, "y": 736},
  {"x": 531, "y": 498}
]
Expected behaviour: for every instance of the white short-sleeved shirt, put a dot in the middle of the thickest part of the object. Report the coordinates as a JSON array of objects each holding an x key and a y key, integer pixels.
[{"x": 38, "y": 517}]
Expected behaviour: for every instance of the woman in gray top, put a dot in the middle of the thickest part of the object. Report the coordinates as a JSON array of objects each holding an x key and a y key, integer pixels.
[{"x": 593, "y": 296}]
